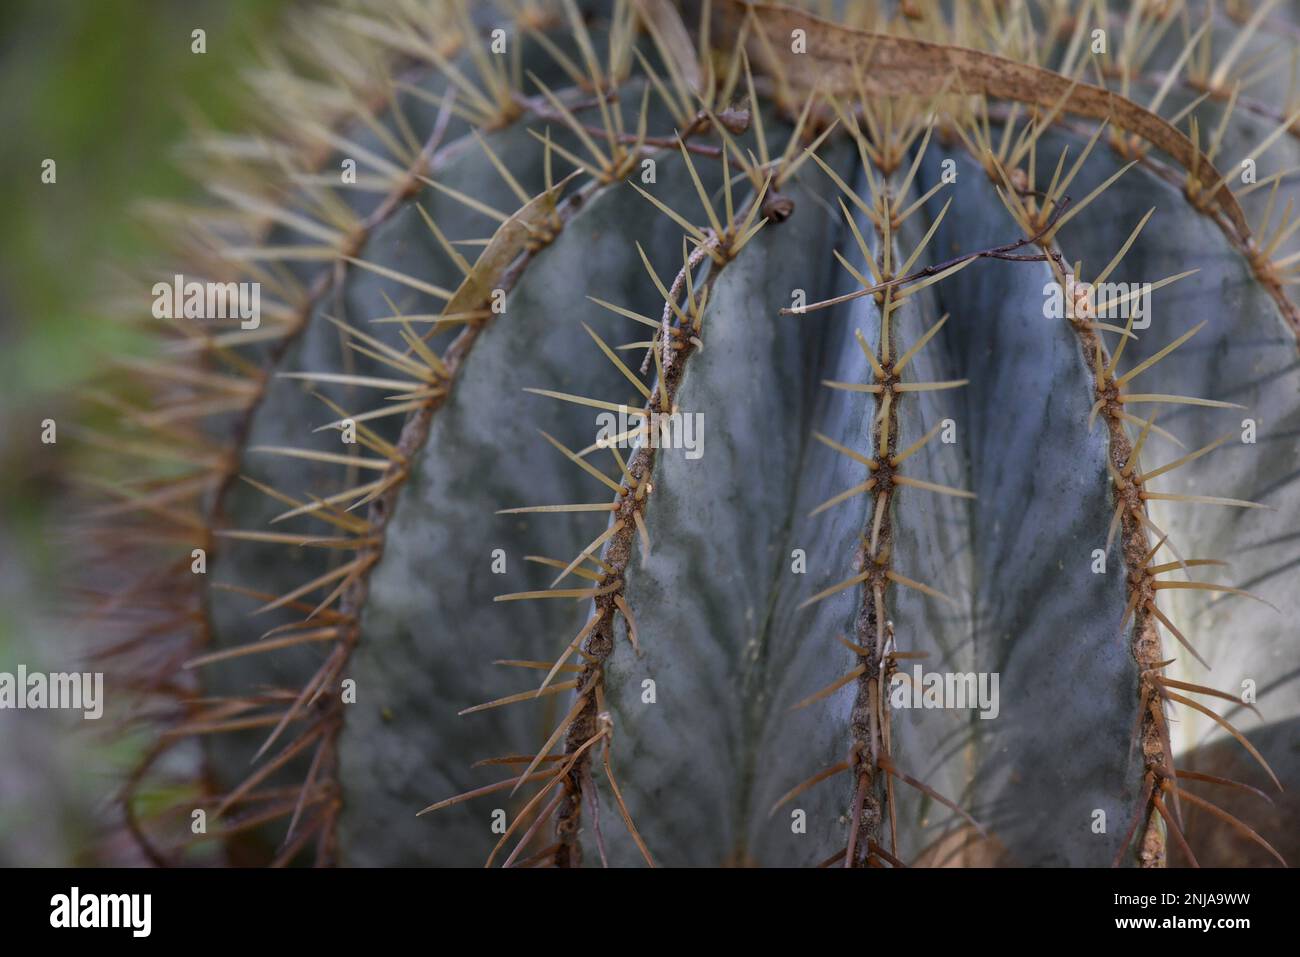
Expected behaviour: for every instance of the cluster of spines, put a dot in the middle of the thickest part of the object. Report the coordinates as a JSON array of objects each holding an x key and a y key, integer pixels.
[
  {"x": 1224, "y": 77},
  {"x": 207, "y": 374},
  {"x": 425, "y": 379},
  {"x": 883, "y": 141},
  {"x": 678, "y": 331},
  {"x": 1038, "y": 214}
]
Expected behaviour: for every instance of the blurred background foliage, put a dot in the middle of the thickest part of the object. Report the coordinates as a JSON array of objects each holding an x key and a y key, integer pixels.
[{"x": 103, "y": 87}]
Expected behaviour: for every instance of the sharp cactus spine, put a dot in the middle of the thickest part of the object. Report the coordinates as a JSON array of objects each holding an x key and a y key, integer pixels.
[{"x": 772, "y": 600}]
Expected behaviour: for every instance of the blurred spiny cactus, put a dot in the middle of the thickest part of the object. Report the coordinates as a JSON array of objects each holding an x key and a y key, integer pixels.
[{"x": 658, "y": 412}]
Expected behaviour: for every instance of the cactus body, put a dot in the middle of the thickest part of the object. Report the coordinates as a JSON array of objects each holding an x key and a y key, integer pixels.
[{"x": 837, "y": 279}]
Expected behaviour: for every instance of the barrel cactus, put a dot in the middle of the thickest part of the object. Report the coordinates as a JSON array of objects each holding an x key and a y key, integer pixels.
[{"x": 721, "y": 433}]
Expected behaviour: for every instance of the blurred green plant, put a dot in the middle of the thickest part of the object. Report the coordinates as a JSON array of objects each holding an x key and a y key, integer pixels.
[{"x": 103, "y": 88}]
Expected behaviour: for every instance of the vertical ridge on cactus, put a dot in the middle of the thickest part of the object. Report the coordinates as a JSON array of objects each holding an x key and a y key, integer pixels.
[{"x": 674, "y": 394}]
